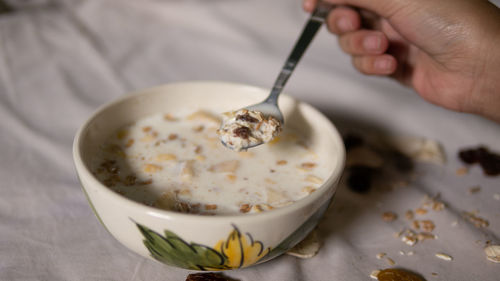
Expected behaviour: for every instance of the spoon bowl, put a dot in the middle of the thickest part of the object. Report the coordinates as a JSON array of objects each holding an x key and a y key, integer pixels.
[{"x": 269, "y": 107}]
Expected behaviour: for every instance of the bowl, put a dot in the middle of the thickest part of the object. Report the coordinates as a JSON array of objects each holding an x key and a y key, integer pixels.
[{"x": 198, "y": 242}]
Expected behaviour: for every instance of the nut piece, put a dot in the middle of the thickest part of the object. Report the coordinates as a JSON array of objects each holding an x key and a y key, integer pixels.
[
  {"x": 389, "y": 216},
  {"x": 394, "y": 274},
  {"x": 281, "y": 162},
  {"x": 229, "y": 166},
  {"x": 444, "y": 256},
  {"x": 493, "y": 253}
]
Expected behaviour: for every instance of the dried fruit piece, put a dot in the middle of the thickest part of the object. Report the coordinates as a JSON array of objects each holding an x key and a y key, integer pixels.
[
  {"x": 489, "y": 162},
  {"x": 395, "y": 274},
  {"x": 493, "y": 253}
]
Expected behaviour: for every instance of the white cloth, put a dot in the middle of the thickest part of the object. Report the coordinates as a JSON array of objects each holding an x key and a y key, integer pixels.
[{"x": 58, "y": 63}]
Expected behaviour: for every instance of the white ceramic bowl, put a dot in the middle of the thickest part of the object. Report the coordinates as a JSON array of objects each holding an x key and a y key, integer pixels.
[{"x": 205, "y": 242}]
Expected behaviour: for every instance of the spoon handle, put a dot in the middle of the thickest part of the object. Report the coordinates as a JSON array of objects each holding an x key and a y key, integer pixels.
[{"x": 311, "y": 28}]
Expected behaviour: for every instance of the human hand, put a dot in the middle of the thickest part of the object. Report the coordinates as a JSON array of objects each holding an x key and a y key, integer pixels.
[{"x": 447, "y": 50}]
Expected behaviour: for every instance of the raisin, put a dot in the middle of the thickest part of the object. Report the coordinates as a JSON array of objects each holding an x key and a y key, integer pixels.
[
  {"x": 489, "y": 162},
  {"x": 360, "y": 178},
  {"x": 209, "y": 276},
  {"x": 242, "y": 132},
  {"x": 246, "y": 117}
]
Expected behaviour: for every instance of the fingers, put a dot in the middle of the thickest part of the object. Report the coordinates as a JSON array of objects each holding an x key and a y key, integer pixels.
[
  {"x": 309, "y": 5},
  {"x": 375, "y": 64},
  {"x": 364, "y": 42},
  {"x": 342, "y": 20}
]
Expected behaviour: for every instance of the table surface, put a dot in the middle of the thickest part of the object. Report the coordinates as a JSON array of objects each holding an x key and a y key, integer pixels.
[{"x": 59, "y": 62}]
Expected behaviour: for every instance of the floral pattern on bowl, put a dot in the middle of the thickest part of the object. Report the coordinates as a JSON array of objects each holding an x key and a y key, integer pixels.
[{"x": 236, "y": 251}]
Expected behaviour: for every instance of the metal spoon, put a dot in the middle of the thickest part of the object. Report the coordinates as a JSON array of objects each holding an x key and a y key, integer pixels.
[{"x": 269, "y": 107}]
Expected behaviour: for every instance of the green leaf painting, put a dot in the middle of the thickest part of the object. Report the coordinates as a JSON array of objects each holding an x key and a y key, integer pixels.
[{"x": 172, "y": 250}]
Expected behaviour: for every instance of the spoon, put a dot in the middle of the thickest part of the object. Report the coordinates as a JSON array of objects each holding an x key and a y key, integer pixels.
[{"x": 269, "y": 107}]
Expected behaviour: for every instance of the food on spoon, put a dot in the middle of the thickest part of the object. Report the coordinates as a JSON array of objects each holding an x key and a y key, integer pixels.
[{"x": 245, "y": 128}]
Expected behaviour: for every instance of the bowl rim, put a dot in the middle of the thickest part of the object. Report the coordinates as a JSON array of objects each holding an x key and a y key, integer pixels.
[{"x": 84, "y": 171}]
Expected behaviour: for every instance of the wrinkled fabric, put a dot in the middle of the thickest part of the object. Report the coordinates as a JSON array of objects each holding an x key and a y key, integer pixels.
[{"x": 59, "y": 62}]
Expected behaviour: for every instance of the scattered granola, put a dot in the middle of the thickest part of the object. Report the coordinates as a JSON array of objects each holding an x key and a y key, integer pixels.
[
  {"x": 475, "y": 220},
  {"x": 389, "y": 216}
]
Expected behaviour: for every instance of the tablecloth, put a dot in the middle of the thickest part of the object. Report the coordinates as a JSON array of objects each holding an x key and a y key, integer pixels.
[{"x": 59, "y": 61}]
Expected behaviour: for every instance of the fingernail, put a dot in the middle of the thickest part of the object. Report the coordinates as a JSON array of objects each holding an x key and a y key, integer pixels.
[
  {"x": 383, "y": 64},
  {"x": 308, "y": 5},
  {"x": 372, "y": 43},
  {"x": 344, "y": 24}
]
